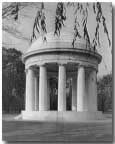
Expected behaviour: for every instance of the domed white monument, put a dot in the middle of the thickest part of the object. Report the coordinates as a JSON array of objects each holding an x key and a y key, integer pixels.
[{"x": 56, "y": 57}]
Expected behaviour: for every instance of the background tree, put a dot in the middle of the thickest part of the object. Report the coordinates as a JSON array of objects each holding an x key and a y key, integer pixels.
[
  {"x": 104, "y": 89},
  {"x": 13, "y": 80}
]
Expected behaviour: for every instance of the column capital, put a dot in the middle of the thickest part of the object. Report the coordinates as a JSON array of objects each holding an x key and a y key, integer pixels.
[
  {"x": 33, "y": 67},
  {"x": 26, "y": 70},
  {"x": 62, "y": 64},
  {"x": 42, "y": 64},
  {"x": 92, "y": 67},
  {"x": 30, "y": 68},
  {"x": 81, "y": 65}
]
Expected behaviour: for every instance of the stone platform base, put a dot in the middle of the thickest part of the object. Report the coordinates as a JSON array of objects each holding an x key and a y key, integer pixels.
[{"x": 55, "y": 116}]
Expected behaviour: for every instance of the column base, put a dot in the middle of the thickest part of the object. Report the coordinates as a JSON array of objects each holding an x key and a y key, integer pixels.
[{"x": 65, "y": 116}]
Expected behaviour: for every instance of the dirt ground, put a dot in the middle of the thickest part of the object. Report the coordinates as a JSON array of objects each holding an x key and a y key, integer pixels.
[{"x": 28, "y": 131}]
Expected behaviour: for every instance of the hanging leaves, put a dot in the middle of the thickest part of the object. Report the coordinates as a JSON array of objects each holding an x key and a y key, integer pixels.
[
  {"x": 96, "y": 40},
  {"x": 94, "y": 8},
  {"x": 81, "y": 9},
  {"x": 85, "y": 30},
  {"x": 86, "y": 35},
  {"x": 15, "y": 11},
  {"x": 97, "y": 6},
  {"x": 60, "y": 17},
  {"x": 99, "y": 12},
  {"x": 94, "y": 43},
  {"x": 105, "y": 29},
  {"x": 76, "y": 31},
  {"x": 39, "y": 24},
  {"x": 99, "y": 18},
  {"x": 69, "y": 4}
]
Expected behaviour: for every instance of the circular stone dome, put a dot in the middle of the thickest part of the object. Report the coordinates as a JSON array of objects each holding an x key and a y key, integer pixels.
[
  {"x": 59, "y": 48},
  {"x": 63, "y": 41}
]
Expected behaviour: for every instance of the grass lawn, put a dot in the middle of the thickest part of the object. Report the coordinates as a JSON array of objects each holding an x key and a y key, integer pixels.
[{"x": 57, "y": 132}]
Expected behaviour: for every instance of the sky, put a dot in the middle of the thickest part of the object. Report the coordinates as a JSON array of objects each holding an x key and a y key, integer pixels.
[{"x": 25, "y": 24}]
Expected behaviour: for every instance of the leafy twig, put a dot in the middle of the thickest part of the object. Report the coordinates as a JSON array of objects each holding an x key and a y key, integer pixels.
[{"x": 60, "y": 17}]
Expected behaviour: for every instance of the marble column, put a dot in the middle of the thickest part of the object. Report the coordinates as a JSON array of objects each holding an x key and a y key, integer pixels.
[
  {"x": 30, "y": 90},
  {"x": 36, "y": 93},
  {"x": 92, "y": 91},
  {"x": 81, "y": 89},
  {"x": 74, "y": 94},
  {"x": 62, "y": 88},
  {"x": 43, "y": 98}
]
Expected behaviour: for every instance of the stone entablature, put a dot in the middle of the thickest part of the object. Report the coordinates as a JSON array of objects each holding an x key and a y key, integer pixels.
[{"x": 77, "y": 56}]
